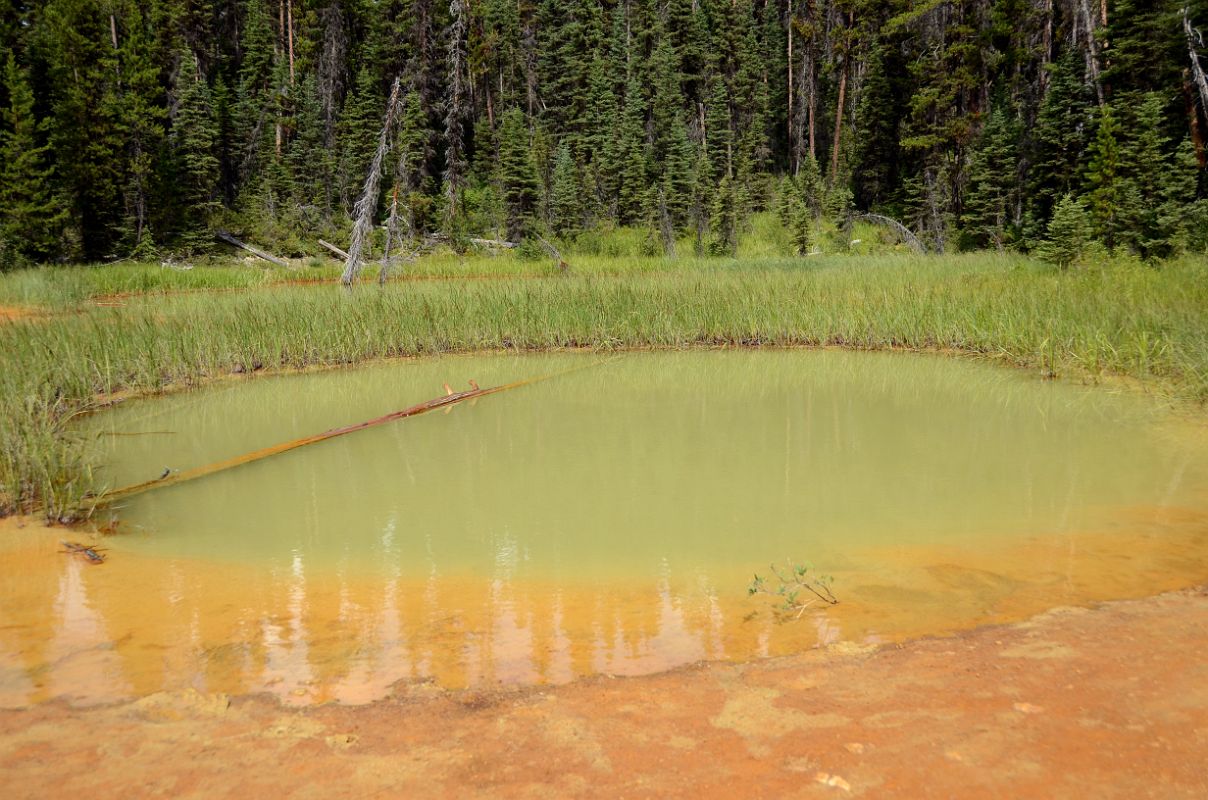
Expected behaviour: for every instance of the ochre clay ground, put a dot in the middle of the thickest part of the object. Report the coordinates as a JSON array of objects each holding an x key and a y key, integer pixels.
[{"x": 1101, "y": 703}]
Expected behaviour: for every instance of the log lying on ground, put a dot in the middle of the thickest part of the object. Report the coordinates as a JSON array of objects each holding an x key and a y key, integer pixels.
[
  {"x": 494, "y": 243},
  {"x": 229, "y": 239},
  {"x": 170, "y": 478},
  {"x": 341, "y": 253},
  {"x": 904, "y": 233}
]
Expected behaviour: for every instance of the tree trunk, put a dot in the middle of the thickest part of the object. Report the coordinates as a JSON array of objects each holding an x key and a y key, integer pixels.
[
  {"x": 1193, "y": 119},
  {"x": 789, "y": 61},
  {"x": 1197, "y": 71},
  {"x": 811, "y": 103},
  {"x": 290, "y": 23},
  {"x": 834, "y": 169},
  {"x": 1091, "y": 50}
]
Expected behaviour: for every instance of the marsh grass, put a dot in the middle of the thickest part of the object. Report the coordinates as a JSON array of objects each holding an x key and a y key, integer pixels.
[{"x": 1128, "y": 319}]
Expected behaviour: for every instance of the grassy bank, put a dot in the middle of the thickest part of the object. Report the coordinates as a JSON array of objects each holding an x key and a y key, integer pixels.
[{"x": 1125, "y": 319}]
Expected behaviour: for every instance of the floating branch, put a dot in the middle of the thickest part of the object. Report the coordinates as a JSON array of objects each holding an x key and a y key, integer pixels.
[
  {"x": 797, "y": 579},
  {"x": 229, "y": 239}
]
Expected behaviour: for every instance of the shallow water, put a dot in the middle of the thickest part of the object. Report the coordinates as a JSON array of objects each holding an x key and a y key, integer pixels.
[{"x": 607, "y": 520}]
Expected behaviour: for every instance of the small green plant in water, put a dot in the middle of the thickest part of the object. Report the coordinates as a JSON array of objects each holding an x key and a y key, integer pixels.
[{"x": 798, "y": 588}]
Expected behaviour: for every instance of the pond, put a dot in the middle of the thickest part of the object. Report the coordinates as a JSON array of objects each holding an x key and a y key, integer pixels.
[{"x": 607, "y": 520}]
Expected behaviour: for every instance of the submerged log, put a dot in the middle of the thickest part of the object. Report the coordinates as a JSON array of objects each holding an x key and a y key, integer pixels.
[
  {"x": 229, "y": 239},
  {"x": 169, "y": 477}
]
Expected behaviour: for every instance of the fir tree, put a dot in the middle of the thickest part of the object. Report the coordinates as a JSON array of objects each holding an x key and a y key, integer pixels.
[{"x": 30, "y": 213}]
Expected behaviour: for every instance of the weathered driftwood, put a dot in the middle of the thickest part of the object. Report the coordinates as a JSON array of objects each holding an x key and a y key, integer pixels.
[
  {"x": 341, "y": 253},
  {"x": 170, "y": 478},
  {"x": 229, "y": 239}
]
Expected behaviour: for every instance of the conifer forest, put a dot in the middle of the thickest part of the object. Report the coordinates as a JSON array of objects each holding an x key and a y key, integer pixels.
[{"x": 134, "y": 128}]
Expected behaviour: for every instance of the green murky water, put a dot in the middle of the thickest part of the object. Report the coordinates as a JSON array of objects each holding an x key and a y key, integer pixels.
[
  {"x": 609, "y": 519},
  {"x": 643, "y": 464}
]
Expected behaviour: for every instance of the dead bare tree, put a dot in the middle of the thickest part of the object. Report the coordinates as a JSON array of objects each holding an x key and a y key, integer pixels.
[
  {"x": 904, "y": 233},
  {"x": 1195, "y": 40},
  {"x": 366, "y": 206},
  {"x": 455, "y": 110}
]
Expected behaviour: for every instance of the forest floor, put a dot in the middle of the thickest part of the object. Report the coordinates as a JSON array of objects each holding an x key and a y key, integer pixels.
[{"x": 1104, "y": 702}]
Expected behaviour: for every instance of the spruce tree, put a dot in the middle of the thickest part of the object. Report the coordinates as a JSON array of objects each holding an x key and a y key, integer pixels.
[
  {"x": 718, "y": 134},
  {"x": 1182, "y": 219},
  {"x": 633, "y": 196},
  {"x": 86, "y": 141},
  {"x": 800, "y": 219},
  {"x": 310, "y": 161},
  {"x": 140, "y": 117},
  {"x": 566, "y": 209},
  {"x": 1106, "y": 186},
  {"x": 412, "y": 143},
  {"x": 879, "y": 113},
  {"x": 992, "y": 194},
  {"x": 194, "y": 140},
  {"x": 1069, "y": 233},
  {"x": 1146, "y": 167},
  {"x": 31, "y": 215},
  {"x": 1059, "y": 139},
  {"x": 726, "y": 218},
  {"x": 517, "y": 177},
  {"x": 358, "y": 129}
]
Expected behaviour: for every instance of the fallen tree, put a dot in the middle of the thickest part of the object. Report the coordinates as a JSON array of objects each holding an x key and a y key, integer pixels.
[{"x": 231, "y": 240}]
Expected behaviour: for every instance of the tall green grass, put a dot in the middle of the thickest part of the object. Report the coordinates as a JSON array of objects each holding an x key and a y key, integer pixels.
[
  {"x": 606, "y": 251},
  {"x": 1131, "y": 320}
]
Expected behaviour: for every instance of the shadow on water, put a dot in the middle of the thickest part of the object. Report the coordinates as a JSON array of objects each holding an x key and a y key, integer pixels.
[{"x": 607, "y": 521}]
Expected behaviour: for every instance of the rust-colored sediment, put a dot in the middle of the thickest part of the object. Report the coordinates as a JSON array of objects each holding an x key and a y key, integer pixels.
[
  {"x": 13, "y": 313},
  {"x": 1109, "y": 702}
]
